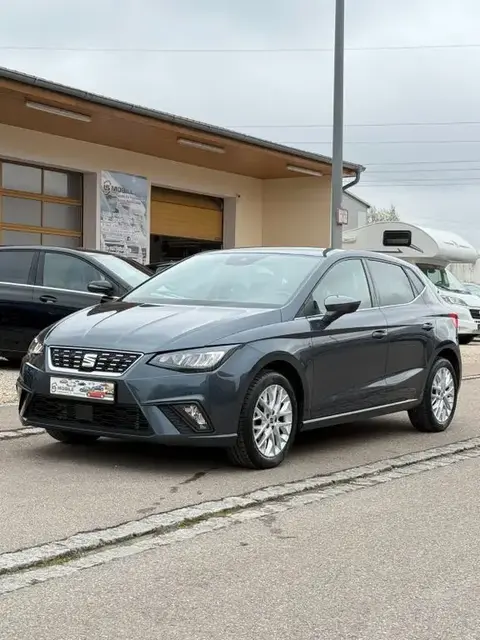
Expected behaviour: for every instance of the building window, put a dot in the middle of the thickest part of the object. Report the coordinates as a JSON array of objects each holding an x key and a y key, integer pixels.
[{"x": 40, "y": 206}]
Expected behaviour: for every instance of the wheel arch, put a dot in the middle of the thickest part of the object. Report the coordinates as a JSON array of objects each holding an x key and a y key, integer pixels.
[
  {"x": 450, "y": 353},
  {"x": 288, "y": 366}
]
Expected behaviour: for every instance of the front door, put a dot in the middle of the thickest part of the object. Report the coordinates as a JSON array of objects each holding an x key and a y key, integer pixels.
[
  {"x": 349, "y": 355},
  {"x": 62, "y": 287}
]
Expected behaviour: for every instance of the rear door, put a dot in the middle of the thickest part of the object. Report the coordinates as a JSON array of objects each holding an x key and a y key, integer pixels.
[
  {"x": 350, "y": 355},
  {"x": 62, "y": 286},
  {"x": 17, "y": 317},
  {"x": 411, "y": 328}
]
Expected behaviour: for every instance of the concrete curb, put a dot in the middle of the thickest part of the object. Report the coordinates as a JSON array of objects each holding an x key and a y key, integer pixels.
[{"x": 73, "y": 547}]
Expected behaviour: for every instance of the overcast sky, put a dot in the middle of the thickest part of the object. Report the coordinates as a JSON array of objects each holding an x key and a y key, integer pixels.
[{"x": 283, "y": 95}]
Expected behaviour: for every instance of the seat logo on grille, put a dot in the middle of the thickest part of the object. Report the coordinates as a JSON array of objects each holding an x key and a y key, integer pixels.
[{"x": 89, "y": 361}]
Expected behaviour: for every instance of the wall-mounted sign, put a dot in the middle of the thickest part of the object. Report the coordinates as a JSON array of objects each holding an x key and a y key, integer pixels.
[
  {"x": 123, "y": 215},
  {"x": 342, "y": 216}
]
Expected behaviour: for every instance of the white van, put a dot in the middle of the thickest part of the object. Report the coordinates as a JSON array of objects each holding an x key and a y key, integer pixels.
[{"x": 432, "y": 251}]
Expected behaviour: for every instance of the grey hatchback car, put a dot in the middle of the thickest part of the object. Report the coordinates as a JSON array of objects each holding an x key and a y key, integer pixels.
[{"x": 243, "y": 349}]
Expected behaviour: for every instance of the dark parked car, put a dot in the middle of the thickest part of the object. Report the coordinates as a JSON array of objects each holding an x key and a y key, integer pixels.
[
  {"x": 244, "y": 348},
  {"x": 41, "y": 285},
  {"x": 157, "y": 267}
]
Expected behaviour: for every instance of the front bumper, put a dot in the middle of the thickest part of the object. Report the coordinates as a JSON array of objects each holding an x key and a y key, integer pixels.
[
  {"x": 474, "y": 315},
  {"x": 148, "y": 404}
]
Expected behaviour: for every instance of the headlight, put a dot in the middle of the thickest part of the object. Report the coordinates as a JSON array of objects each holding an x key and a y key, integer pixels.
[
  {"x": 194, "y": 359},
  {"x": 36, "y": 347},
  {"x": 453, "y": 300}
]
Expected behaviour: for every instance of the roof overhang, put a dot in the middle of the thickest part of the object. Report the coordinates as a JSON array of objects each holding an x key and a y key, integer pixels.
[{"x": 120, "y": 125}]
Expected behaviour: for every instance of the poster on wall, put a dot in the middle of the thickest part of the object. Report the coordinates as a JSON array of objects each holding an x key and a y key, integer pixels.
[{"x": 123, "y": 215}]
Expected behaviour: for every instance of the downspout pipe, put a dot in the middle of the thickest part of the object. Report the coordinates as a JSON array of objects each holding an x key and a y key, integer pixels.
[{"x": 356, "y": 180}]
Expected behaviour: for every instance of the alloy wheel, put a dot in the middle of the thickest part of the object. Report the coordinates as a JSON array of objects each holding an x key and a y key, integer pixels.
[
  {"x": 443, "y": 394},
  {"x": 272, "y": 421}
]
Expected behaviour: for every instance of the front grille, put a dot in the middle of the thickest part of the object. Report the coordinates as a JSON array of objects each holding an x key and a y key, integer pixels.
[
  {"x": 89, "y": 360},
  {"x": 475, "y": 313},
  {"x": 92, "y": 415}
]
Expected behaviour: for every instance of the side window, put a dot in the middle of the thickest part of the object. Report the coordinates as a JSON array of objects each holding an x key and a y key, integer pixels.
[
  {"x": 15, "y": 266},
  {"x": 346, "y": 278},
  {"x": 392, "y": 284},
  {"x": 415, "y": 281},
  {"x": 63, "y": 271}
]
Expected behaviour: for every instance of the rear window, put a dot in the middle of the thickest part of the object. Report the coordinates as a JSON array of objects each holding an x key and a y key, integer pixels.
[
  {"x": 417, "y": 283},
  {"x": 15, "y": 266}
]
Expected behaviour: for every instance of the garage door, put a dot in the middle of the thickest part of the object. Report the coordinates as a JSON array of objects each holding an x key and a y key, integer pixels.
[{"x": 186, "y": 215}]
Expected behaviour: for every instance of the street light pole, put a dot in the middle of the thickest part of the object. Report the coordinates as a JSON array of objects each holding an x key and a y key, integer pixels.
[{"x": 337, "y": 145}]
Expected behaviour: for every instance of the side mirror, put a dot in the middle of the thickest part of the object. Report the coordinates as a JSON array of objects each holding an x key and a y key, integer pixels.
[
  {"x": 103, "y": 287},
  {"x": 338, "y": 306}
]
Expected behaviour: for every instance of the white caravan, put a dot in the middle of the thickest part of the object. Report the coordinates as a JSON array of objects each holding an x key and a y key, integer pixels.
[{"x": 432, "y": 251}]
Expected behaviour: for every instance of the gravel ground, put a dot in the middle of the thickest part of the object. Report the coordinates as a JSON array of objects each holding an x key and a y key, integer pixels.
[{"x": 8, "y": 375}]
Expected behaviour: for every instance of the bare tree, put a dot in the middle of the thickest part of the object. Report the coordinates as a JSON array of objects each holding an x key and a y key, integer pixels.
[{"x": 382, "y": 215}]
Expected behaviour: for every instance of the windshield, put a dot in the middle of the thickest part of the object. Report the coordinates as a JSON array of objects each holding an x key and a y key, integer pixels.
[
  {"x": 443, "y": 278},
  {"x": 130, "y": 273},
  {"x": 243, "y": 279}
]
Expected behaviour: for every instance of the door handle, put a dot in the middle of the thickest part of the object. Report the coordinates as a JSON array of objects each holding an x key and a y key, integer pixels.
[
  {"x": 427, "y": 326},
  {"x": 48, "y": 299},
  {"x": 379, "y": 334}
]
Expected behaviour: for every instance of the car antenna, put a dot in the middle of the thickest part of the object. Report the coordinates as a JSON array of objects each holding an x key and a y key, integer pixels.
[{"x": 327, "y": 251}]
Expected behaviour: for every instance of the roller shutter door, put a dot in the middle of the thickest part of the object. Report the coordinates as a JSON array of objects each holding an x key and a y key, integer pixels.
[{"x": 186, "y": 215}]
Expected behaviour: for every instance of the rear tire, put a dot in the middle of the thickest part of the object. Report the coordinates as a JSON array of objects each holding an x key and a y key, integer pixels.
[
  {"x": 268, "y": 423},
  {"x": 466, "y": 339},
  {"x": 437, "y": 409},
  {"x": 72, "y": 437}
]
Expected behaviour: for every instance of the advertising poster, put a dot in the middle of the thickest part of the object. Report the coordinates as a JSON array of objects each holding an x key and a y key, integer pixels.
[{"x": 123, "y": 215}]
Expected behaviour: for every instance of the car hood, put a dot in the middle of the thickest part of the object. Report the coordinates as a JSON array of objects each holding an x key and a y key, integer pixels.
[
  {"x": 471, "y": 300},
  {"x": 150, "y": 328}
]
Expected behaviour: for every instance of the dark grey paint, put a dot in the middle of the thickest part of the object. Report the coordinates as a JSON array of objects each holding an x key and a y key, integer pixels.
[{"x": 368, "y": 363}]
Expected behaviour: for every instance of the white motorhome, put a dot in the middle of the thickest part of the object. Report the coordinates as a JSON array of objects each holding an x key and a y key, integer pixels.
[{"x": 432, "y": 250}]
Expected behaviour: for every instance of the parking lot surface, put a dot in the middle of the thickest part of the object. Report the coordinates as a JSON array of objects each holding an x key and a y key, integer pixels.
[
  {"x": 51, "y": 490},
  {"x": 389, "y": 561}
]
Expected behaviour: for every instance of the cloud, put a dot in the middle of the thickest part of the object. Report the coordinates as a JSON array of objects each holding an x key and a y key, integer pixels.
[{"x": 289, "y": 88}]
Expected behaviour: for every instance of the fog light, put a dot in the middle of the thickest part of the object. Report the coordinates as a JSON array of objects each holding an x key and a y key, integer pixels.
[{"x": 196, "y": 416}]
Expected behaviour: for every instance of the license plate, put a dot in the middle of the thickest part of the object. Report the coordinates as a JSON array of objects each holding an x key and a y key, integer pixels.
[{"x": 87, "y": 389}]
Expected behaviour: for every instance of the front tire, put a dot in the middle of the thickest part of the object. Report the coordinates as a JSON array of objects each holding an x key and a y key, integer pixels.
[
  {"x": 71, "y": 437},
  {"x": 437, "y": 409},
  {"x": 268, "y": 423}
]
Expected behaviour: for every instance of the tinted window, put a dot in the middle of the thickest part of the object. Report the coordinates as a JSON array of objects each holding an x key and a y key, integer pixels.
[
  {"x": 15, "y": 266},
  {"x": 245, "y": 279},
  {"x": 416, "y": 282},
  {"x": 346, "y": 278},
  {"x": 63, "y": 271},
  {"x": 391, "y": 282}
]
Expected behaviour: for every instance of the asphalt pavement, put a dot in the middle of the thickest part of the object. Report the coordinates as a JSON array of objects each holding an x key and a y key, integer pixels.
[
  {"x": 396, "y": 560},
  {"x": 50, "y": 491}
]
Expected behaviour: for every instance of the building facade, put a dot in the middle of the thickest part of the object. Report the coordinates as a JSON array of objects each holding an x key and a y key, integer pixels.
[
  {"x": 83, "y": 170},
  {"x": 357, "y": 211}
]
